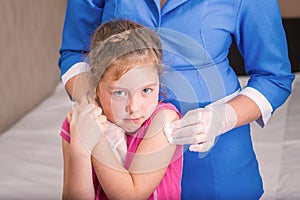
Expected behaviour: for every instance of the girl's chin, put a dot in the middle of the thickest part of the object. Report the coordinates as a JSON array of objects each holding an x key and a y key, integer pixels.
[
  {"x": 131, "y": 130},
  {"x": 130, "y": 127}
]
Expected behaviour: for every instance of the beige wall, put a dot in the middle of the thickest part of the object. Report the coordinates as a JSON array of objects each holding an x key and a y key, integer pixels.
[
  {"x": 290, "y": 8},
  {"x": 30, "y": 35}
]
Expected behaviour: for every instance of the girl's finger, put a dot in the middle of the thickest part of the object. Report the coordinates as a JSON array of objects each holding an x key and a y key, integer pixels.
[
  {"x": 98, "y": 111},
  {"x": 101, "y": 119}
]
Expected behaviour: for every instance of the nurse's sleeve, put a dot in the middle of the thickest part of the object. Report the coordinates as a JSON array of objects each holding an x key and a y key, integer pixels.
[
  {"x": 261, "y": 40},
  {"x": 81, "y": 19}
]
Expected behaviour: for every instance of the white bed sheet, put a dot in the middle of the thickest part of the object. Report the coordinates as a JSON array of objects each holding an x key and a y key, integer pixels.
[
  {"x": 30, "y": 152},
  {"x": 31, "y": 158}
]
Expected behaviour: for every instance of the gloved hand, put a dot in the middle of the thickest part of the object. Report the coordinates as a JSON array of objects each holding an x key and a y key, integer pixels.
[
  {"x": 201, "y": 127},
  {"x": 115, "y": 135},
  {"x": 86, "y": 123}
]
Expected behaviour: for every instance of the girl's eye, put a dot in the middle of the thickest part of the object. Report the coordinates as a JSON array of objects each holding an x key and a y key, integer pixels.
[
  {"x": 147, "y": 90},
  {"x": 119, "y": 93}
]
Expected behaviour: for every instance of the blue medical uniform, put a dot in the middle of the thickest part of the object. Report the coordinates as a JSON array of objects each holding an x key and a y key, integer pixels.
[{"x": 196, "y": 36}]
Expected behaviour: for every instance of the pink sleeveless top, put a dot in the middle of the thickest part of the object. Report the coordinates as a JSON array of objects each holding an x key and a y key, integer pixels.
[{"x": 170, "y": 185}]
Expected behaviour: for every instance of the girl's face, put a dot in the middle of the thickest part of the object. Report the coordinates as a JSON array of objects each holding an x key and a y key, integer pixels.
[{"x": 129, "y": 101}]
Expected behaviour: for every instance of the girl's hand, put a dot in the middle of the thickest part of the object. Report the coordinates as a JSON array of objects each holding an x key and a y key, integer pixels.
[{"x": 86, "y": 124}]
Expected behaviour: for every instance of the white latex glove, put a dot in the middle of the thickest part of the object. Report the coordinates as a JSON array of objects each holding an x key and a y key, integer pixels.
[
  {"x": 115, "y": 135},
  {"x": 87, "y": 120},
  {"x": 201, "y": 127}
]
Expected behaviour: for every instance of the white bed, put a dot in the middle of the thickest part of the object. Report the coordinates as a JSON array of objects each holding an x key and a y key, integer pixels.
[{"x": 31, "y": 158}]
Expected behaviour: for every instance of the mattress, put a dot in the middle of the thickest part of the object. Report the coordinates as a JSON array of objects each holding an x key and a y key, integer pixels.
[{"x": 32, "y": 164}]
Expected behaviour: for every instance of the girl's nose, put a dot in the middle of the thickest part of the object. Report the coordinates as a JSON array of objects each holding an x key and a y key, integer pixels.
[{"x": 133, "y": 104}]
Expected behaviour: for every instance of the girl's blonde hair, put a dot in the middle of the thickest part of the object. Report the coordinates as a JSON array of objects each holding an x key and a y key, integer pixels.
[{"x": 118, "y": 42}]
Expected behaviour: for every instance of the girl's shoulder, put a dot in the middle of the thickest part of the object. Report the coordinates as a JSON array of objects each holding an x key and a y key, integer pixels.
[
  {"x": 170, "y": 112},
  {"x": 165, "y": 106}
]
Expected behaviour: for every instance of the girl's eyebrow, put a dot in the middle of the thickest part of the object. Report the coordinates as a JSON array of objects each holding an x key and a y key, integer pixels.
[
  {"x": 150, "y": 84},
  {"x": 122, "y": 88},
  {"x": 113, "y": 87}
]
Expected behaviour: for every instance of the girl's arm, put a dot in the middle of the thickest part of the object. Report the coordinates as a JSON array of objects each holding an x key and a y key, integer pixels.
[
  {"x": 78, "y": 178},
  {"x": 148, "y": 165},
  {"x": 78, "y": 183}
]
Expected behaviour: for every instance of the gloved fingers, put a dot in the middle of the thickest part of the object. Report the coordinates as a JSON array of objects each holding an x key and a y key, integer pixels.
[
  {"x": 211, "y": 126},
  {"x": 203, "y": 147},
  {"x": 86, "y": 109},
  {"x": 196, "y": 147},
  {"x": 203, "y": 129},
  {"x": 185, "y": 131},
  {"x": 83, "y": 107},
  {"x": 84, "y": 100},
  {"x": 186, "y": 135},
  {"x": 80, "y": 105},
  {"x": 88, "y": 99},
  {"x": 120, "y": 143},
  {"x": 199, "y": 138},
  {"x": 190, "y": 118},
  {"x": 194, "y": 122},
  {"x": 207, "y": 118},
  {"x": 86, "y": 105},
  {"x": 181, "y": 141},
  {"x": 123, "y": 145},
  {"x": 179, "y": 136},
  {"x": 91, "y": 111},
  {"x": 194, "y": 139},
  {"x": 114, "y": 134},
  {"x": 206, "y": 146},
  {"x": 92, "y": 100}
]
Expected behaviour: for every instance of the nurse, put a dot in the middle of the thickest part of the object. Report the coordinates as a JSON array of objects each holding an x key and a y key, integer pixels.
[{"x": 219, "y": 161}]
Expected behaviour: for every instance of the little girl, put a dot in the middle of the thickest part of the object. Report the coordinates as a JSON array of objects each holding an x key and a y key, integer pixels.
[{"x": 125, "y": 64}]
